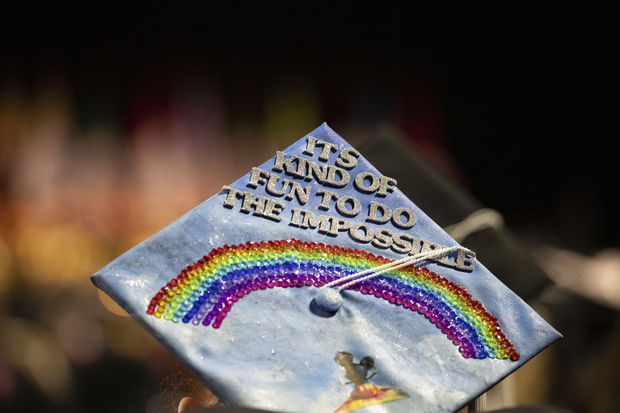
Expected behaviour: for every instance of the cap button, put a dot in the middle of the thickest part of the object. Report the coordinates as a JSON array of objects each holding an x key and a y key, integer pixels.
[{"x": 328, "y": 299}]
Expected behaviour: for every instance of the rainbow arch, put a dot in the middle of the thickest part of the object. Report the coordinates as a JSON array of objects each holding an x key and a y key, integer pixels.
[{"x": 206, "y": 290}]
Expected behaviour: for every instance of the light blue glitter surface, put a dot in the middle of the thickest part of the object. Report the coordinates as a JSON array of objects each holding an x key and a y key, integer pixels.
[{"x": 272, "y": 353}]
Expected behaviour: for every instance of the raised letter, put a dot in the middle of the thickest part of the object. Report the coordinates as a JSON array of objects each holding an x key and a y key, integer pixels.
[
  {"x": 396, "y": 218},
  {"x": 428, "y": 246},
  {"x": 309, "y": 220},
  {"x": 272, "y": 209},
  {"x": 360, "y": 182},
  {"x": 319, "y": 172},
  {"x": 347, "y": 158},
  {"x": 271, "y": 185},
  {"x": 327, "y": 197},
  {"x": 403, "y": 243},
  {"x": 386, "y": 213},
  {"x": 339, "y": 224},
  {"x": 331, "y": 177},
  {"x": 232, "y": 196},
  {"x": 387, "y": 185},
  {"x": 286, "y": 164},
  {"x": 383, "y": 238},
  {"x": 326, "y": 225},
  {"x": 310, "y": 145},
  {"x": 327, "y": 148},
  {"x": 303, "y": 194},
  {"x": 257, "y": 177},
  {"x": 248, "y": 202},
  {"x": 341, "y": 206},
  {"x": 296, "y": 218},
  {"x": 354, "y": 233},
  {"x": 464, "y": 261}
]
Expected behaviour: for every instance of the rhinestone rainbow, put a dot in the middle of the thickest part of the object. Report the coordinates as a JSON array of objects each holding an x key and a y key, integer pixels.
[{"x": 205, "y": 291}]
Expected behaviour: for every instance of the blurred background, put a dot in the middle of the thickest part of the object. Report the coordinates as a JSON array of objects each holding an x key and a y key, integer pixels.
[{"x": 115, "y": 121}]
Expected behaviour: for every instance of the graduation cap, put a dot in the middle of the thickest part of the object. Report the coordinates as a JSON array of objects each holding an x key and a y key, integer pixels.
[{"x": 313, "y": 284}]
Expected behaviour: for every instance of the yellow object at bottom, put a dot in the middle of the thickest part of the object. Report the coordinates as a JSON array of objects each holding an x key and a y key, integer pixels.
[{"x": 367, "y": 394}]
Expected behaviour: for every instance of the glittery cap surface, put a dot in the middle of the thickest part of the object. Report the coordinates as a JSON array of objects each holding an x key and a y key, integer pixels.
[{"x": 228, "y": 287}]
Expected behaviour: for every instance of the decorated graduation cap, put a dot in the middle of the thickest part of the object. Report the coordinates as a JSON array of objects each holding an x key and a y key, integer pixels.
[{"x": 313, "y": 284}]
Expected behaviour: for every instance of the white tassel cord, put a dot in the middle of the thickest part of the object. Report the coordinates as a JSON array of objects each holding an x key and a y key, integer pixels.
[{"x": 394, "y": 265}]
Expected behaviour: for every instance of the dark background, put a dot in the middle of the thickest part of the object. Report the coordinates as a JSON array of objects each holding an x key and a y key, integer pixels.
[
  {"x": 517, "y": 103},
  {"x": 525, "y": 95}
]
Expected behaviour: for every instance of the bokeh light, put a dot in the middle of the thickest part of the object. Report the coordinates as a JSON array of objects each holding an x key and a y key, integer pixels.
[{"x": 114, "y": 124}]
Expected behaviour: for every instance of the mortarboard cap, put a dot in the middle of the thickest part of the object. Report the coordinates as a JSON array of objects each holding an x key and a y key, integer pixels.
[{"x": 313, "y": 284}]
